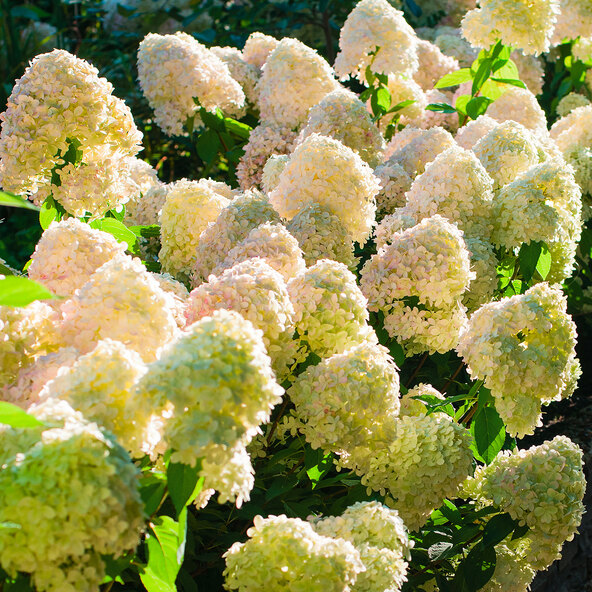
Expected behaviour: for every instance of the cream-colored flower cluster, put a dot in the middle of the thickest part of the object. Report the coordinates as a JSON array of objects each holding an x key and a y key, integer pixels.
[
  {"x": 188, "y": 208},
  {"x": 295, "y": 77},
  {"x": 330, "y": 310},
  {"x": 520, "y": 105},
  {"x": 324, "y": 171},
  {"x": 524, "y": 24},
  {"x": 259, "y": 293},
  {"x": 218, "y": 386},
  {"x": 417, "y": 281},
  {"x": 523, "y": 347},
  {"x": 456, "y": 186},
  {"x": 543, "y": 204},
  {"x": 468, "y": 135},
  {"x": 347, "y": 400},
  {"x": 265, "y": 139},
  {"x": 26, "y": 333},
  {"x": 433, "y": 64},
  {"x": 246, "y": 212},
  {"x": 543, "y": 488},
  {"x": 287, "y": 555},
  {"x": 68, "y": 253},
  {"x": 570, "y": 102},
  {"x": 59, "y": 101},
  {"x": 342, "y": 116},
  {"x": 272, "y": 243},
  {"x": 68, "y": 495},
  {"x": 121, "y": 301},
  {"x": 257, "y": 48},
  {"x": 372, "y": 25},
  {"x": 381, "y": 538},
  {"x": 321, "y": 235},
  {"x": 247, "y": 75},
  {"x": 394, "y": 182},
  {"x": 100, "y": 385},
  {"x": 574, "y": 20},
  {"x": 175, "y": 69}
]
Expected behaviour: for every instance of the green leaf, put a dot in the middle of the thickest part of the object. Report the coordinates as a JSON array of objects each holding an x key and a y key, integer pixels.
[
  {"x": 15, "y": 201},
  {"x": 528, "y": 257},
  {"x": 208, "y": 145},
  {"x": 321, "y": 465},
  {"x": 461, "y": 104},
  {"x": 493, "y": 90},
  {"x": 455, "y": 78},
  {"x": 489, "y": 433},
  {"x": 21, "y": 291},
  {"x": 165, "y": 544},
  {"x": 401, "y": 105},
  {"x": 481, "y": 75},
  {"x": 239, "y": 129},
  {"x": 184, "y": 484},
  {"x": 15, "y": 417},
  {"x": 369, "y": 76},
  {"x": 383, "y": 98},
  {"x": 543, "y": 265},
  {"x": 120, "y": 231},
  {"x": 477, "y": 106},
  {"x": 148, "y": 231},
  {"x": 48, "y": 213},
  {"x": 497, "y": 529},
  {"x": 512, "y": 81},
  {"x": 441, "y": 107},
  {"x": 478, "y": 567},
  {"x": 214, "y": 120}
]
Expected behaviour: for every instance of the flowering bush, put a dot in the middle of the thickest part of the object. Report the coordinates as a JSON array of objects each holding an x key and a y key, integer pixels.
[{"x": 297, "y": 347}]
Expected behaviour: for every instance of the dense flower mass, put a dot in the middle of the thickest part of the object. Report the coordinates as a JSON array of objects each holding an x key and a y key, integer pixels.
[
  {"x": 259, "y": 293},
  {"x": 349, "y": 399},
  {"x": 58, "y": 102},
  {"x": 551, "y": 481},
  {"x": 68, "y": 253},
  {"x": 287, "y": 555},
  {"x": 295, "y": 77},
  {"x": 218, "y": 379},
  {"x": 187, "y": 210},
  {"x": 523, "y": 347},
  {"x": 324, "y": 171},
  {"x": 120, "y": 301},
  {"x": 372, "y": 25},
  {"x": 523, "y": 24},
  {"x": 173, "y": 69},
  {"x": 70, "y": 495},
  {"x": 331, "y": 313}
]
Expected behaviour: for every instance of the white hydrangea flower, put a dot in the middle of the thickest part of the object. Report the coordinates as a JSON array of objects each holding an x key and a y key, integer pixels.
[
  {"x": 272, "y": 170},
  {"x": 484, "y": 263},
  {"x": 173, "y": 69},
  {"x": 265, "y": 140},
  {"x": 420, "y": 149},
  {"x": 425, "y": 460},
  {"x": 61, "y": 99},
  {"x": 283, "y": 554},
  {"x": 146, "y": 210},
  {"x": 121, "y": 301},
  {"x": 347, "y": 400},
  {"x": 456, "y": 186},
  {"x": 519, "y": 104},
  {"x": 530, "y": 70},
  {"x": 342, "y": 116},
  {"x": 433, "y": 65},
  {"x": 401, "y": 89},
  {"x": 272, "y": 243},
  {"x": 524, "y": 24},
  {"x": 247, "y": 75},
  {"x": 523, "y": 347},
  {"x": 468, "y": 135},
  {"x": 574, "y": 20},
  {"x": 451, "y": 43},
  {"x": 507, "y": 151},
  {"x": 260, "y": 295},
  {"x": 321, "y": 235},
  {"x": 58, "y": 540},
  {"x": 217, "y": 377},
  {"x": 394, "y": 182},
  {"x": 372, "y": 24},
  {"x": 401, "y": 138},
  {"x": 416, "y": 407},
  {"x": 257, "y": 48},
  {"x": 570, "y": 102},
  {"x": 26, "y": 333},
  {"x": 324, "y": 171},
  {"x": 295, "y": 77},
  {"x": 189, "y": 207},
  {"x": 100, "y": 386},
  {"x": 178, "y": 295},
  {"x": 68, "y": 253},
  {"x": 330, "y": 310},
  {"x": 543, "y": 204},
  {"x": 381, "y": 538},
  {"x": 552, "y": 482},
  {"x": 428, "y": 119}
]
